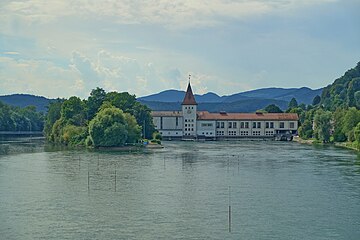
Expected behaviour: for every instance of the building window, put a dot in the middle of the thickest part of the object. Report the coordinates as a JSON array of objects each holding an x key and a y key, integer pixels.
[
  {"x": 271, "y": 124},
  {"x": 259, "y": 125},
  {"x": 234, "y": 125},
  {"x": 246, "y": 124},
  {"x": 267, "y": 125},
  {"x": 254, "y": 124},
  {"x": 282, "y": 124},
  {"x": 222, "y": 124},
  {"x": 177, "y": 121},
  {"x": 161, "y": 123},
  {"x": 242, "y": 125},
  {"x": 292, "y": 125},
  {"x": 230, "y": 124},
  {"x": 217, "y": 124}
]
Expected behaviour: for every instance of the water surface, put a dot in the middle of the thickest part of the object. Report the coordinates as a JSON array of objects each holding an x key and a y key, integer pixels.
[{"x": 278, "y": 190}]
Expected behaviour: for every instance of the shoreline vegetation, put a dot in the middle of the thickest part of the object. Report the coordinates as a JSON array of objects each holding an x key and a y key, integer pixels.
[
  {"x": 104, "y": 120},
  {"x": 313, "y": 141}
]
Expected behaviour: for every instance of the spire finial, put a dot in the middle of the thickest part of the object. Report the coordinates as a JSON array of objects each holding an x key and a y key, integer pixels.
[{"x": 189, "y": 77}]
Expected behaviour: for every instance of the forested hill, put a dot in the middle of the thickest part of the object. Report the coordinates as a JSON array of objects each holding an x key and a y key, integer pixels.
[
  {"x": 302, "y": 95},
  {"x": 246, "y": 105},
  {"x": 344, "y": 92},
  {"x": 24, "y": 100}
]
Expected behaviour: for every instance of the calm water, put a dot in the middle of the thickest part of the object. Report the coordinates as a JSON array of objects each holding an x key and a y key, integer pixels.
[{"x": 277, "y": 191}]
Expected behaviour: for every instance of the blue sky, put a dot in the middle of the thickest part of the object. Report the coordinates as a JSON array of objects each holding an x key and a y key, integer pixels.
[{"x": 68, "y": 47}]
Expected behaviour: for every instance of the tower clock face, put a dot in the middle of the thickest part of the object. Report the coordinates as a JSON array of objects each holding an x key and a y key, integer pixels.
[{"x": 189, "y": 111}]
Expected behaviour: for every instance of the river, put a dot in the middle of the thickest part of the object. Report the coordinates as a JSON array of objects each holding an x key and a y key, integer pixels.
[{"x": 276, "y": 190}]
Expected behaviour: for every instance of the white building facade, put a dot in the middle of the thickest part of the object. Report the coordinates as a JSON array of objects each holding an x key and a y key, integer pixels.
[{"x": 192, "y": 124}]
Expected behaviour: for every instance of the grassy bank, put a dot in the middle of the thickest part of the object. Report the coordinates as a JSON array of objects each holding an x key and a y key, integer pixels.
[{"x": 348, "y": 145}]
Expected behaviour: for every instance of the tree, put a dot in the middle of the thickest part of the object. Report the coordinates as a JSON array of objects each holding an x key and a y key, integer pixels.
[
  {"x": 293, "y": 103},
  {"x": 53, "y": 114},
  {"x": 111, "y": 127},
  {"x": 353, "y": 87},
  {"x": 351, "y": 119},
  {"x": 357, "y": 99},
  {"x": 357, "y": 136},
  {"x": 94, "y": 101},
  {"x": 316, "y": 100},
  {"x": 338, "y": 118},
  {"x": 306, "y": 131},
  {"x": 322, "y": 125},
  {"x": 272, "y": 108},
  {"x": 128, "y": 104},
  {"x": 73, "y": 111}
]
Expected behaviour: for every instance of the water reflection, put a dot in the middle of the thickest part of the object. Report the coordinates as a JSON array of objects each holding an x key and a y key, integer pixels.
[{"x": 279, "y": 190}]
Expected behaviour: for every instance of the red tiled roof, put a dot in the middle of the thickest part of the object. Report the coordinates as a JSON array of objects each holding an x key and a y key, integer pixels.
[
  {"x": 166, "y": 114},
  {"x": 189, "y": 98},
  {"x": 247, "y": 116}
]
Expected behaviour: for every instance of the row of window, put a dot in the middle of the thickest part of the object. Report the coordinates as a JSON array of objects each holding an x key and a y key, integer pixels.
[
  {"x": 189, "y": 120},
  {"x": 189, "y": 107},
  {"x": 254, "y": 125},
  {"x": 189, "y": 129},
  {"x": 206, "y": 124},
  {"x": 189, "y": 125}
]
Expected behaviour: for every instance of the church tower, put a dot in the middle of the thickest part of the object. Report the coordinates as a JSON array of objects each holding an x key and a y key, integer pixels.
[{"x": 189, "y": 108}]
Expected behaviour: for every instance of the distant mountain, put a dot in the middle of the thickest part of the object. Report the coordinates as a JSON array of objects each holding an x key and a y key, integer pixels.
[
  {"x": 23, "y": 100},
  {"x": 302, "y": 95},
  {"x": 246, "y": 105},
  {"x": 178, "y": 96}
]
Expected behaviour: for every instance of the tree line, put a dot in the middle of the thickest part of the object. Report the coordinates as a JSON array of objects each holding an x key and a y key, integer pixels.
[
  {"x": 101, "y": 120},
  {"x": 335, "y": 115},
  {"x": 20, "y": 119}
]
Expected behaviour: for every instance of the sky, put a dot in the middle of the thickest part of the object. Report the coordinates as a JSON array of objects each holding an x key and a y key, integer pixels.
[{"x": 62, "y": 48}]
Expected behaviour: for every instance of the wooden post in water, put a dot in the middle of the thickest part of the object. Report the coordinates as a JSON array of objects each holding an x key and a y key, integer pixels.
[
  {"x": 115, "y": 180},
  {"x": 88, "y": 181},
  {"x": 229, "y": 209},
  {"x": 79, "y": 163},
  {"x": 98, "y": 163}
]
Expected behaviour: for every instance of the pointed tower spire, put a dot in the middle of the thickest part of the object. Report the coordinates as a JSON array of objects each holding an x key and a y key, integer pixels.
[{"x": 189, "y": 98}]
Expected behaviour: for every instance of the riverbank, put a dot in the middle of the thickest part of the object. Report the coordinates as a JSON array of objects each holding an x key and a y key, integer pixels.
[{"x": 348, "y": 145}]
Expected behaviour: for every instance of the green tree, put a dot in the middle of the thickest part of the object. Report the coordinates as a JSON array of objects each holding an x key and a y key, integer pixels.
[
  {"x": 357, "y": 135},
  {"x": 128, "y": 104},
  {"x": 305, "y": 130},
  {"x": 353, "y": 87},
  {"x": 338, "y": 118},
  {"x": 53, "y": 114},
  {"x": 111, "y": 127},
  {"x": 272, "y": 108},
  {"x": 357, "y": 99},
  {"x": 316, "y": 100},
  {"x": 351, "y": 119},
  {"x": 293, "y": 103},
  {"x": 322, "y": 125},
  {"x": 94, "y": 101},
  {"x": 73, "y": 111}
]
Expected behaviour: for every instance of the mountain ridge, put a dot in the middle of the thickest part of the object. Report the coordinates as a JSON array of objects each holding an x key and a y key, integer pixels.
[{"x": 303, "y": 95}]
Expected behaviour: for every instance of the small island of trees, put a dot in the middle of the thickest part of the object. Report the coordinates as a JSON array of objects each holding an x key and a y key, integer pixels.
[{"x": 102, "y": 120}]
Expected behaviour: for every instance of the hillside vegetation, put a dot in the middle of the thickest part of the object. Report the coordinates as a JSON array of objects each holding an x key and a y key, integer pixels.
[{"x": 335, "y": 117}]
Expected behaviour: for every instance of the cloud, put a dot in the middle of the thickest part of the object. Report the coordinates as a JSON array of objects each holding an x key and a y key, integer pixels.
[{"x": 168, "y": 13}]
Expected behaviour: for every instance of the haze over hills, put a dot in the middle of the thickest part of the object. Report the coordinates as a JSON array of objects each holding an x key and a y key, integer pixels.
[
  {"x": 23, "y": 100},
  {"x": 303, "y": 95},
  {"x": 170, "y": 100}
]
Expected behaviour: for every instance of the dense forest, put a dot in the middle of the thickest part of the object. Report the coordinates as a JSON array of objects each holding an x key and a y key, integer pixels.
[
  {"x": 20, "y": 119},
  {"x": 101, "y": 120},
  {"x": 335, "y": 115}
]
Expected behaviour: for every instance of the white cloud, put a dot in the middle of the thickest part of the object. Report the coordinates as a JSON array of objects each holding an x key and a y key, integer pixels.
[{"x": 169, "y": 13}]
